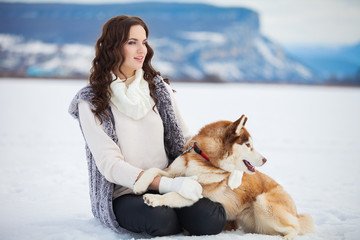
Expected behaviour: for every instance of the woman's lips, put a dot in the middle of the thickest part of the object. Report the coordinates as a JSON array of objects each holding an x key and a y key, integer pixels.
[{"x": 139, "y": 59}]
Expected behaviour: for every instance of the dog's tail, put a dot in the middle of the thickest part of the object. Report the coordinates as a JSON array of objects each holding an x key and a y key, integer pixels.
[{"x": 306, "y": 223}]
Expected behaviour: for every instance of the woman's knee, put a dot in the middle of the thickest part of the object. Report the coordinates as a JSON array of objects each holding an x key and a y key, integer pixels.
[
  {"x": 203, "y": 218},
  {"x": 164, "y": 222},
  {"x": 134, "y": 215}
]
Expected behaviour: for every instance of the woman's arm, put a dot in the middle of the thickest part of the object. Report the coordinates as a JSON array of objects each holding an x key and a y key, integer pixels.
[{"x": 107, "y": 154}]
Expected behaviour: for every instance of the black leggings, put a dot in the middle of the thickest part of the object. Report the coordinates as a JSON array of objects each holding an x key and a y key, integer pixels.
[{"x": 203, "y": 218}]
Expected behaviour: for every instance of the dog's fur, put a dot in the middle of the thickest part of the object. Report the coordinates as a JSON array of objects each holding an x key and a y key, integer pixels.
[{"x": 253, "y": 201}]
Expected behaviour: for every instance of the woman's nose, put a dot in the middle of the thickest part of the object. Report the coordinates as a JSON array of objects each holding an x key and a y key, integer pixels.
[{"x": 142, "y": 48}]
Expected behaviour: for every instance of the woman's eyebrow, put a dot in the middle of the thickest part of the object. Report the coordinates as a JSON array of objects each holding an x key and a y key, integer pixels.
[{"x": 135, "y": 39}]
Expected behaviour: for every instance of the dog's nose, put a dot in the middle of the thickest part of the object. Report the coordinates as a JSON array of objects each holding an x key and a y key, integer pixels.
[{"x": 264, "y": 160}]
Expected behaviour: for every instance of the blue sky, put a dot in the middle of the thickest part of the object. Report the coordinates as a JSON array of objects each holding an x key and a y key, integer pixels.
[{"x": 288, "y": 22}]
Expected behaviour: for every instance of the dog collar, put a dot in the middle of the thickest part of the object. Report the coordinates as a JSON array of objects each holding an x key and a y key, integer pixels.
[{"x": 197, "y": 150}]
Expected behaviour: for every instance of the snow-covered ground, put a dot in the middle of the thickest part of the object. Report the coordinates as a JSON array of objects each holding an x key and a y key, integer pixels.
[{"x": 309, "y": 134}]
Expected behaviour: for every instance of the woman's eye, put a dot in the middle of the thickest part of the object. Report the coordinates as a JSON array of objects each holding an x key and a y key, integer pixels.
[{"x": 131, "y": 42}]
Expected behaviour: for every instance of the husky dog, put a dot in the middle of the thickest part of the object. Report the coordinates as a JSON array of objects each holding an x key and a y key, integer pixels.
[{"x": 222, "y": 159}]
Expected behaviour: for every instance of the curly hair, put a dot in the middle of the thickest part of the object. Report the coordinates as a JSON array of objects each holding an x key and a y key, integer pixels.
[{"x": 109, "y": 55}]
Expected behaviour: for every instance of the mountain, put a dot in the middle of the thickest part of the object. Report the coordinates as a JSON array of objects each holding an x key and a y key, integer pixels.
[
  {"x": 329, "y": 62},
  {"x": 191, "y": 41}
]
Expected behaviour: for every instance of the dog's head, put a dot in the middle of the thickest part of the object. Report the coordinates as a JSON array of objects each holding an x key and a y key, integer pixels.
[
  {"x": 239, "y": 145},
  {"x": 230, "y": 146}
]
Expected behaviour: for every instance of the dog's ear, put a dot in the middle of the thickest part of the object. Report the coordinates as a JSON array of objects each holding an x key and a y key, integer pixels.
[
  {"x": 240, "y": 123},
  {"x": 233, "y": 131}
]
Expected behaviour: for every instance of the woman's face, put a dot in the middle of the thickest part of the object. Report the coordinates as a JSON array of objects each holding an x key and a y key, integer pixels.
[{"x": 134, "y": 51}]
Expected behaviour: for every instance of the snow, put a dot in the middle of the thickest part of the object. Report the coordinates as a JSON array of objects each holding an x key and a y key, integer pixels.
[
  {"x": 216, "y": 68},
  {"x": 213, "y": 37},
  {"x": 46, "y": 58},
  {"x": 268, "y": 54},
  {"x": 309, "y": 134}
]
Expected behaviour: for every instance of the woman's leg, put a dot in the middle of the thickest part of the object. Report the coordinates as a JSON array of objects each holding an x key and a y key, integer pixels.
[
  {"x": 134, "y": 215},
  {"x": 203, "y": 218}
]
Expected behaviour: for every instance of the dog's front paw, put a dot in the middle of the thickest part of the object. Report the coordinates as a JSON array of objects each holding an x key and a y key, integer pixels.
[
  {"x": 142, "y": 184},
  {"x": 140, "y": 187},
  {"x": 153, "y": 200}
]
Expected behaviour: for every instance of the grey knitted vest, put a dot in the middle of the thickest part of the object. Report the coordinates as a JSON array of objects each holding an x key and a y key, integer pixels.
[{"x": 101, "y": 190}]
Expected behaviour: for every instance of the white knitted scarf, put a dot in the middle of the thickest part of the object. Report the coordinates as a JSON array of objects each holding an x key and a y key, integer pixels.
[{"x": 134, "y": 100}]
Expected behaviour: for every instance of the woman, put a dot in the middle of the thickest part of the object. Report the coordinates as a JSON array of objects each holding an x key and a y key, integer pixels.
[{"x": 130, "y": 122}]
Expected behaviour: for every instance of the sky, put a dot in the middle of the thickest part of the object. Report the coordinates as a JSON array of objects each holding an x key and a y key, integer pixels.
[{"x": 288, "y": 22}]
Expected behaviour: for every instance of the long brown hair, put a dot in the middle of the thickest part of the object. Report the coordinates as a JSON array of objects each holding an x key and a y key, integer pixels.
[{"x": 109, "y": 55}]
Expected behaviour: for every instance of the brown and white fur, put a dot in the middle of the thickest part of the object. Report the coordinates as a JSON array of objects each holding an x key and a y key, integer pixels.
[{"x": 252, "y": 200}]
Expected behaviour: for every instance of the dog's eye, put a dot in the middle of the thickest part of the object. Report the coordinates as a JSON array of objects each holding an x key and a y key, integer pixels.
[{"x": 248, "y": 145}]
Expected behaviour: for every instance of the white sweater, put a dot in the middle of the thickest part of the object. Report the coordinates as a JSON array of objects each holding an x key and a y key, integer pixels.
[{"x": 140, "y": 145}]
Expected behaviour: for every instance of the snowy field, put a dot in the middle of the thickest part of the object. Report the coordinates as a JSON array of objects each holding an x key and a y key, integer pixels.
[{"x": 309, "y": 134}]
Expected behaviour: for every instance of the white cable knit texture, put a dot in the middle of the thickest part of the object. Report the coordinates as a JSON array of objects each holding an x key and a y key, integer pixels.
[
  {"x": 134, "y": 100},
  {"x": 186, "y": 186}
]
